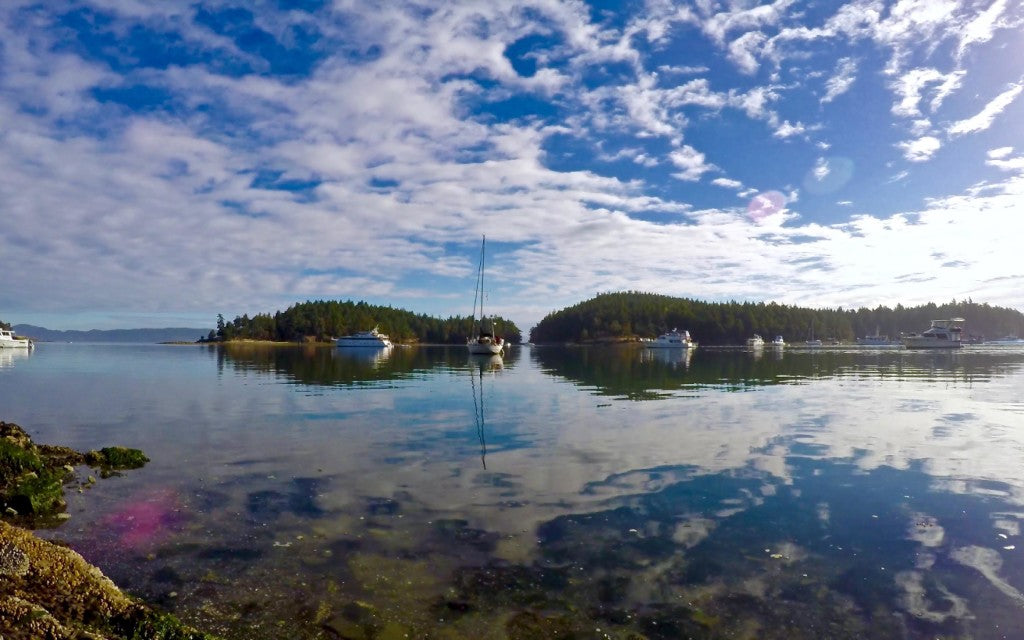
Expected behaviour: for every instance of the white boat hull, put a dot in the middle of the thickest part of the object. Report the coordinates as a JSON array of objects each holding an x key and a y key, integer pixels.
[
  {"x": 364, "y": 339},
  {"x": 485, "y": 348},
  {"x": 674, "y": 339},
  {"x": 364, "y": 344},
  {"x": 9, "y": 341}
]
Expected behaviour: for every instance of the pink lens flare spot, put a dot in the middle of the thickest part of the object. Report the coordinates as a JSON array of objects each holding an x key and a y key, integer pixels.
[
  {"x": 765, "y": 204},
  {"x": 145, "y": 519}
]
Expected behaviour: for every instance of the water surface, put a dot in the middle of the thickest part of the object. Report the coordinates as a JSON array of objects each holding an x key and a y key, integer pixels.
[{"x": 558, "y": 492}]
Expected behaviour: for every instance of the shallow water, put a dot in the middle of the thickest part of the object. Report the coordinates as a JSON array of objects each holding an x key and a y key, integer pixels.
[{"x": 559, "y": 492}]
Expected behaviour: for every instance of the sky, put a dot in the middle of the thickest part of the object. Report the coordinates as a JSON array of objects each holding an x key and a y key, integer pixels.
[{"x": 165, "y": 162}]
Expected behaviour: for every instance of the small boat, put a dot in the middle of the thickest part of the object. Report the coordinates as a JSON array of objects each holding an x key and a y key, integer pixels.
[
  {"x": 483, "y": 340},
  {"x": 1005, "y": 340},
  {"x": 876, "y": 340},
  {"x": 674, "y": 339},
  {"x": 812, "y": 342},
  {"x": 10, "y": 341},
  {"x": 777, "y": 341},
  {"x": 371, "y": 338},
  {"x": 943, "y": 334},
  {"x": 756, "y": 341}
]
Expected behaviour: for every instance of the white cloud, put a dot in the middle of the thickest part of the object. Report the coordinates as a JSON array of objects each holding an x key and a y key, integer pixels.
[
  {"x": 693, "y": 164},
  {"x": 984, "y": 118},
  {"x": 920, "y": 149},
  {"x": 743, "y": 51},
  {"x": 788, "y": 130},
  {"x": 841, "y": 81},
  {"x": 727, "y": 183},
  {"x": 1000, "y": 158},
  {"x": 911, "y": 88},
  {"x": 739, "y": 18},
  {"x": 682, "y": 70},
  {"x": 981, "y": 28},
  {"x": 821, "y": 169}
]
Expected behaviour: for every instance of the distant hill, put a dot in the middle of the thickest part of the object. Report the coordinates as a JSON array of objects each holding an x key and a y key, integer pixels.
[
  {"x": 631, "y": 315},
  {"x": 324, "y": 320},
  {"x": 168, "y": 334}
]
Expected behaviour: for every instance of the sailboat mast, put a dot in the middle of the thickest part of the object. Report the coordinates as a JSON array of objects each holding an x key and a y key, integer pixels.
[
  {"x": 478, "y": 292},
  {"x": 483, "y": 245}
]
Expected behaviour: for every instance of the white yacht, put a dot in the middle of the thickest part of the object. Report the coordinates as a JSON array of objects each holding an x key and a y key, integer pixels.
[
  {"x": 756, "y": 341},
  {"x": 674, "y": 339},
  {"x": 943, "y": 334},
  {"x": 10, "y": 341},
  {"x": 370, "y": 338},
  {"x": 777, "y": 341}
]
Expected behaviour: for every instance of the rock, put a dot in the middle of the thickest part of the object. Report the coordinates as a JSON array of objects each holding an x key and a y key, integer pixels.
[
  {"x": 49, "y": 591},
  {"x": 32, "y": 476},
  {"x": 13, "y": 561}
]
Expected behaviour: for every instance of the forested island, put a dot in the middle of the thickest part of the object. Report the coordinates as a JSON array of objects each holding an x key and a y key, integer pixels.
[
  {"x": 612, "y": 317},
  {"x": 324, "y": 320}
]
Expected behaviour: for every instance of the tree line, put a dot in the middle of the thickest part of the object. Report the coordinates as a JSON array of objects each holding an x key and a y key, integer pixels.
[
  {"x": 324, "y": 320},
  {"x": 633, "y": 315}
]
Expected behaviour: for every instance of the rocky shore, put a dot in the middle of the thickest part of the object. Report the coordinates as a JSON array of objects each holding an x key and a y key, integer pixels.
[{"x": 48, "y": 590}]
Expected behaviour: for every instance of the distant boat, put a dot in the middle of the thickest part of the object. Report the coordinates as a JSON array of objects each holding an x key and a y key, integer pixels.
[
  {"x": 674, "y": 339},
  {"x": 777, "y": 341},
  {"x": 10, "y": 341},
  {"x": 371, "y": 338},
  {"x": 483, "y": 340},
  {"x": 876, "y": 340},
  {"x": 756, "y": 341},
  {"x": 812, "y": 342},
  {"x": 942, "y": 334}
]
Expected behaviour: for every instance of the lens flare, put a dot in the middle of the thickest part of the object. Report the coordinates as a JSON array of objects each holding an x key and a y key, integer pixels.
[{"x": 765, "y": 204}]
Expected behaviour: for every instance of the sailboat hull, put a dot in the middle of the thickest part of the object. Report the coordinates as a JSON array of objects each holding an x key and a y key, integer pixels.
[{"x": 487, "y": 348}]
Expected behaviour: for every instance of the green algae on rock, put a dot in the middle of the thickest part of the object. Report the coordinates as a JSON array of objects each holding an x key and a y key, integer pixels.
[
  {"x": 116, "y": 458},
  {"x": 32, "y": 477}
]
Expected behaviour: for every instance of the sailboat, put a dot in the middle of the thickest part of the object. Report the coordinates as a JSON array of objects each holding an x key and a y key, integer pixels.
[
  {"x": 483, "y": 340},
  {"x": 812, "y": 342}
]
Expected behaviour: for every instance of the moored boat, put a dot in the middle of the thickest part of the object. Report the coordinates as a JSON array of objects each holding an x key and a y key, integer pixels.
[
  {"x": 942, "y": 334},
  {"x": 755, "y": 341},
  {"x": 777, "y": 341},
  {"x": 674, "y": 339},
  {"x": 10, "y": 341},
  {"x": 812, "y": 342},
  {"x": 371, "y": 338},
  {"x": 484, "y": 340},
  {"x": 875, "y": 340}
]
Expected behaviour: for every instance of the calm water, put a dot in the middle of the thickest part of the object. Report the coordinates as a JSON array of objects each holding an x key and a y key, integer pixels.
[{"x": 587, "y": 493}]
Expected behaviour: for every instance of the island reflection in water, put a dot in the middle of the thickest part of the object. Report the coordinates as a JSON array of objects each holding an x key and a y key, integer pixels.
[{"x": 308, "y": 494}]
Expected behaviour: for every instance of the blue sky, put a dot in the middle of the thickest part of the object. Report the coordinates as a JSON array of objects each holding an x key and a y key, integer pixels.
[{"x": 161, "y": 163}]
